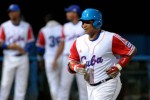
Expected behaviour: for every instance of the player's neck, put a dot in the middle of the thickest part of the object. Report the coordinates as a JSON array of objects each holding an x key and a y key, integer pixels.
[
  {"x": 75, "y": 21},
  {"x": 15, "y": 22},
  {"x": 94, "y": 35}
]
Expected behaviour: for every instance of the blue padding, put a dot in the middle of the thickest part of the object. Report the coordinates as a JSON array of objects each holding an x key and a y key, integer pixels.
[{"x": 33, "y": 78}]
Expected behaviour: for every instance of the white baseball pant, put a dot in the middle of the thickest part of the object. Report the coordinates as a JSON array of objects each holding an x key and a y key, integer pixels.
[
  {"x": 18, "y": 68},
  {"x": 108, "y": 90},
  {"x": 66, "y": 83},
  {"x": 53, "y": 76}
]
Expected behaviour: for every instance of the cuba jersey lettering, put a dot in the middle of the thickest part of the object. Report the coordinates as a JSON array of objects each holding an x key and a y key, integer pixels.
[
  {"x": 49, "y": 38},
  {"x": 100, "y": 54},
  {"x": 20, "y": 34},
  {"x": 70, "y": 33},
  {"x": 94, "y": 60}
]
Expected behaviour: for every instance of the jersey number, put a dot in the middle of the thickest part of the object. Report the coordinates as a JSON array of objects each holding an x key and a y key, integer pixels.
[{"x": 54, "y": 41}]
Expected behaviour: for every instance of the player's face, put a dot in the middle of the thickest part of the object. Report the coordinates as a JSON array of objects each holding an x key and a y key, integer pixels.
[
  {"x": 71, "y": 15},
  {"x": 14, "y": 15},
  {"x": 88, "y": 27}
]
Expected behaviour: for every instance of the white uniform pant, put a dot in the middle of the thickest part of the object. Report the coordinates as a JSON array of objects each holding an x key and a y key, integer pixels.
[
  {"x": 53, "y": 77},
  {"x": 108, "y": 90},
  {"x": 66, "y": 83},
  {"x": 14, "y": 68}
]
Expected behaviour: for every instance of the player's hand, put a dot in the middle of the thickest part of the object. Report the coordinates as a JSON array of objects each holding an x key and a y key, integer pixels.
[
  {"x": 22, "y": 51},
  {"x": 14, "y": 46},
  {"x": 80, "y": 68},
  {"x": 54, "y": 64},
  {"x": 41, "y": 64},
  {"x": 113, "y": 71}
]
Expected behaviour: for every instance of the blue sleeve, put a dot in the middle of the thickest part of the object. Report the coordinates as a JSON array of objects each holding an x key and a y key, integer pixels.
[
  {"x": 29, "y": 46},
  {"x": 4, "y": 46},
  {"x": 40, "y": 50}
]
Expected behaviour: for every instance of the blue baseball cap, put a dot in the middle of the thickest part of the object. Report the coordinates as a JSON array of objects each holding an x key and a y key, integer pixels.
[
  {"x": 14, "y": 7},
  {"x": 73, "y": 8}
]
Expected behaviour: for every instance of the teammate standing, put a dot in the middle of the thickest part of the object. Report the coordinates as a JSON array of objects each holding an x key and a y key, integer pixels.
[
  {"x": 16, "y": 38},
  {"x": 71, "y": 31},
  {"x": 47, "y": 43},
  {"x": 99, "y": 55}
]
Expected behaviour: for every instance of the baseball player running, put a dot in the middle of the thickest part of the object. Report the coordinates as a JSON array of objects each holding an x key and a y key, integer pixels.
[
  {"x": 71, "y": 31},
  {"x": 16, "y": 38},
  {"x": 99, "y": 55},
  {"x": 47, "y": 43}
]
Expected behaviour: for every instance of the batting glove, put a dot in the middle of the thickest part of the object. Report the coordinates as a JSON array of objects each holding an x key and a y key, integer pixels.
[
  {"x": 114, "y": 71},
  {"x": 80, "y": 68}
]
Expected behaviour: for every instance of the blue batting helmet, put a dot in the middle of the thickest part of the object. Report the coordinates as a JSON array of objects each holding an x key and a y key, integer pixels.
[
  {"x": 92, "y": 14},
  {"x": 14, "y": 7},
  {"x": 74, "y": 8}
]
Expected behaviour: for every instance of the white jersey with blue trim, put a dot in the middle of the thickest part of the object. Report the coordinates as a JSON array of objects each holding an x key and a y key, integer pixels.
[
  {"x": 49, "y": 38},
  {"x": 70, "y": 33},
  {"x": 20, "y": 34},
  {"x": 101, "y": 53}
]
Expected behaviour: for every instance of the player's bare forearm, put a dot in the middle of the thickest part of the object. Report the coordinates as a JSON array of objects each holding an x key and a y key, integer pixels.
[
  {"x": 16, "y": 47},
  {"x": 58, "y": 53},
  {"x": 11, "y": 46},
  {"x": 59, "y": 50}
]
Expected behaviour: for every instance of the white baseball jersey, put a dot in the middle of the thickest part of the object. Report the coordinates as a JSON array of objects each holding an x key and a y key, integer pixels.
[
  {"x": 15, "y": 67},
  {"x": 49, "y": 38},
  {"x": 20, "y": 34},
  {"x": 70, "y": 33},
  {"x": 101, "y": 53}
]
